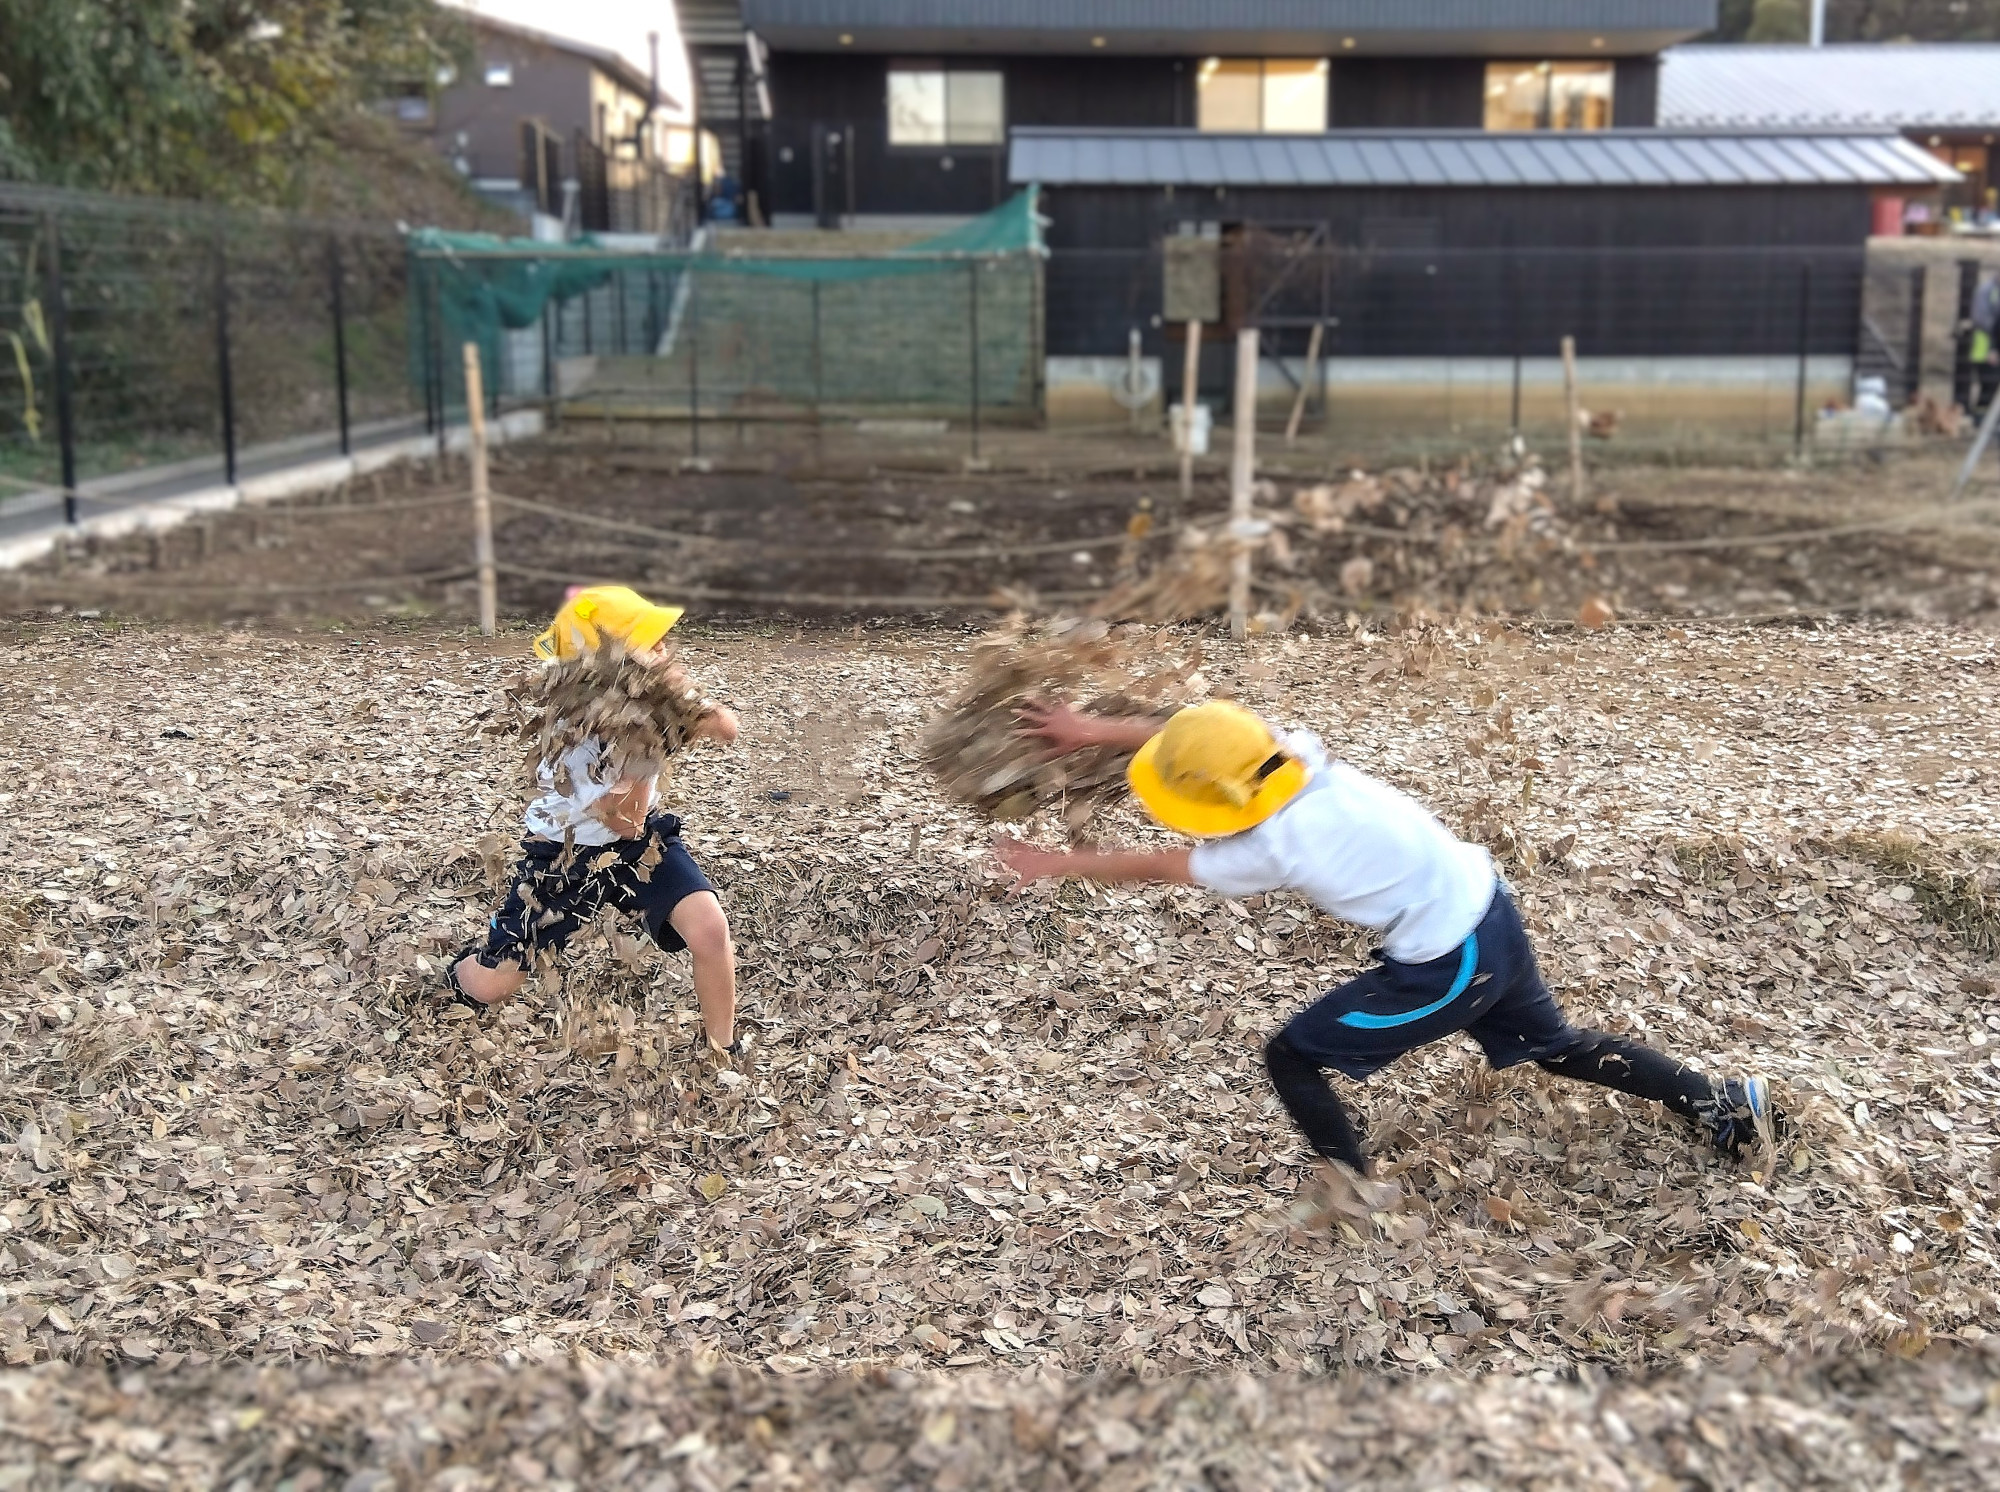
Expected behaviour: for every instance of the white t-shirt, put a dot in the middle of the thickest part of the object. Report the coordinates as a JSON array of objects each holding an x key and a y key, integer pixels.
[
  {"x": 1363, "y": 851},
  {"x": 558, "y": 815}
]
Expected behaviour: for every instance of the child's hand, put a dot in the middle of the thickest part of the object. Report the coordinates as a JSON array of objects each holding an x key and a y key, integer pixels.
[
  {"x": 1028, "y": 862},
  {"x": 720, "y": 725},
  {"x": 1062, "y": 728}
]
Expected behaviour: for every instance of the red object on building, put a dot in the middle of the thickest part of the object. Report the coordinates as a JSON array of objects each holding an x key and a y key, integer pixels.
[{"x": 1888, "y": 217}]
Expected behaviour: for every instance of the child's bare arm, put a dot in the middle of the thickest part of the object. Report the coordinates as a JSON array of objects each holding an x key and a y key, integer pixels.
[
  {"x": 719, "y": 725},
  {"x": 623, "y": 809},
  {"x": 1066, "y": 730},
  {"x": 1028, "y": 863}
]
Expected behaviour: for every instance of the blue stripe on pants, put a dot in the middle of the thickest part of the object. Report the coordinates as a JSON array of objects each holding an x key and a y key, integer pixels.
[{"x": 1468, "y": 960}]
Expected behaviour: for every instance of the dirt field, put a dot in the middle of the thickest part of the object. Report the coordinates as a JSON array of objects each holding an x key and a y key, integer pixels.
[
  {"x": 911, "y": 532},
  {"x": 999, "y": 1196}
]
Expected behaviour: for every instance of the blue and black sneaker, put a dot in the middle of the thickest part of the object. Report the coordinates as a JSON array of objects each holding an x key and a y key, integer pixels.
[{"x": 1739, "y": 1116}]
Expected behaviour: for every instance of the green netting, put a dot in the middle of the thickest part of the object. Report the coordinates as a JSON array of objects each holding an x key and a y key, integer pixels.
[{"x": 743, "y": 332}]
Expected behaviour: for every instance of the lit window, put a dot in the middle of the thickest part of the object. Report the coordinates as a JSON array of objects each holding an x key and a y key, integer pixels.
[
  {"x": 929, "y": 106},
  {"x": 1548, "y": 95},
  {"x": 499, "y": 75},
  {"x": 1271, "y": 96}
]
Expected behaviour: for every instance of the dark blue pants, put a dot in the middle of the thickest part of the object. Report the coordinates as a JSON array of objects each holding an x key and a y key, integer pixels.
[
  {"x": 556, "y": 889},
  {"x": 1488, "y": 987}
]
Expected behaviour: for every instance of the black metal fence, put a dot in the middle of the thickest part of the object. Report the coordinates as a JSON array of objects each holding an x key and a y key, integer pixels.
[
  {"x": 149, "y": 334},
  {"x": 1682, "y": 347}
]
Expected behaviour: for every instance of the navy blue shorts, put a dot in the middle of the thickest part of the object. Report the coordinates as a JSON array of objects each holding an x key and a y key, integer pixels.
[
  {"x": 555, "y": 891},
  {"x": 1487, "y": 987}
]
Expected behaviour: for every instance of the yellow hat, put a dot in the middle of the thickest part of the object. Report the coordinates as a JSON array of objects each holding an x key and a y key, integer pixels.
[
  {"x": 1216, "y": 769},
  {"x": 597, "y": 612}
]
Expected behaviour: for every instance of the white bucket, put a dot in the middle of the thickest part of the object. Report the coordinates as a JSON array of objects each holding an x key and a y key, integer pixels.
[{"x": 1191, "y": 437}]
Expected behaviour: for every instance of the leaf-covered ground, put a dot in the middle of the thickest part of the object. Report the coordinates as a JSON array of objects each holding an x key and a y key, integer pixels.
[
  {"x": 974, "y": 1131},
  {"x": 1832, "y": 1426}
]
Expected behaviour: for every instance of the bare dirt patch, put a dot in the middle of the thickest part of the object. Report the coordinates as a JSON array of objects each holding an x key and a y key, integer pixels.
[{"x": 861, "y": 539}]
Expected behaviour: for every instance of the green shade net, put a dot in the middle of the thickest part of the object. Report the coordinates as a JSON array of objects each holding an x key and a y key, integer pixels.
[{"x": 738, "y": 332}]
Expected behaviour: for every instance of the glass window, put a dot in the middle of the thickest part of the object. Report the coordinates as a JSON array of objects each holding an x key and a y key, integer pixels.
[
  {"x": 929, "y": 106},
  {"x": 1294, "y": 98},
  {"x": 1548, "y": 95},
  {"x": 499, "y": 75},
  {"x": 1261, "y": 96}
]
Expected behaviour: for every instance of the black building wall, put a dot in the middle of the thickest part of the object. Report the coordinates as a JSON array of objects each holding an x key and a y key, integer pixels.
[
  {"x": 1477, "y": 272},
  {"x": 817, "y": 94}
]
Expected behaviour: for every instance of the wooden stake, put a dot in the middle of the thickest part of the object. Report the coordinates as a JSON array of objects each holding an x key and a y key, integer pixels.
[
  {"x": 1573, "y": 401},
  {"x": 1190, "y": 377},
  {"x": 482, "y": 503},
  {"x": 1305, "y": 382},
  {"x": 1242, "y": 474}
]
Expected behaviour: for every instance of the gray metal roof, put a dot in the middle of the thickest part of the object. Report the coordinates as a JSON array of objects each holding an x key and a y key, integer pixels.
[
  {"x": 1953, "y": 85},
  {"x": 1270, "y": 27},
  {"x": 1361, "y": 158}
]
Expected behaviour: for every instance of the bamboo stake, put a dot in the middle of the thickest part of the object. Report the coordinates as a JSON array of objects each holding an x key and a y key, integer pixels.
[
  {"x": 1190, "y": 377},
  {"x": 1242, "y": 473},
  {"x": 482, "y": 504},
  {"x": 1305, "y": 383},
  {"x": 1573, "y": 401}
]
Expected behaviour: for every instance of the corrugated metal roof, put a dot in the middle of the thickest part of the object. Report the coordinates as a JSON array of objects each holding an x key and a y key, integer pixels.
[
  {"x": 1946, "y": 85},
  {"x": 1274, "y": 15},
  {"x": 1072, "y": 157},
  {"x": 1248, "y": 27}
]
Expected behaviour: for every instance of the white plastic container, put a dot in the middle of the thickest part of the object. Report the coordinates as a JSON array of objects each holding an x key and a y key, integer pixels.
[{"x": 1192, "y": 440}]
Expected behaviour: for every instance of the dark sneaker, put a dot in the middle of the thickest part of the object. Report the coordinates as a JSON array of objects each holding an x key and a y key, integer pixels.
[{"x": 1739, "y": 1116}]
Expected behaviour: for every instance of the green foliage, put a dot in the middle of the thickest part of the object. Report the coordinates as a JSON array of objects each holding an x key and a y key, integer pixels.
[
  {"x": 219, "y": 99},
  {"x": 1778, "y": 20},
  {"x": 1868, "y": 20}
]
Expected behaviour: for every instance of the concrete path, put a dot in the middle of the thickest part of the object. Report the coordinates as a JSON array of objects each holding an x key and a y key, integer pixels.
[{"x": 160, "y": 497}]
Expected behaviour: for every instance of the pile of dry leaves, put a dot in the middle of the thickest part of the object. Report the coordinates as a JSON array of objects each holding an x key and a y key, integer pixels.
[
  {"x": 978, "y": 1131},
  {"x": 1834, "y": 1426},
  {"x": 641, "y": 710},
  {"x": 977, "y": 748}
]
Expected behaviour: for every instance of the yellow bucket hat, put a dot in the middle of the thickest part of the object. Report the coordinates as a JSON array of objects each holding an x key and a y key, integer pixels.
[
  {"x": 1215, "y": 769},
  {"x": 600, "y": 611}
]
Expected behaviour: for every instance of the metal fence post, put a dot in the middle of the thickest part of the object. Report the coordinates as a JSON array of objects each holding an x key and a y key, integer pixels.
[
  {"x": 694, "y": 369},
  {"x": 1799, "y": 396},
  {"x": 334, "y": 277},
  {"x": 819, "y": 375},
  {"x": 972, "y": 285},
  {"x": 222, "y": 369},
  {"x": 436, "y": 354},
  {"x": 1913, "y": 345},
  {"x": 548, "y": 363},
  {"x": 59, "y": 350}
]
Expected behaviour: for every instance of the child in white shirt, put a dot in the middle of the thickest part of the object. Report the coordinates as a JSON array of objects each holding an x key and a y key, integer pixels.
[
  {"x": 1276, "y": 813},
  {"x": 595, "y": 841}
]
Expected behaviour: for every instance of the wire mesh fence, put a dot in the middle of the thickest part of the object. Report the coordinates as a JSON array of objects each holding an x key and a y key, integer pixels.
[
  {"x": 150, "y": 334},
  {"x": 1689, "y": 350}
]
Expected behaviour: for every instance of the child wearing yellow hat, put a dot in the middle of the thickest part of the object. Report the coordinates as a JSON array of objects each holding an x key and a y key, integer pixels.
[
  {"x": 592, "y": 844},
  {"x": 1275, "y": 813}
]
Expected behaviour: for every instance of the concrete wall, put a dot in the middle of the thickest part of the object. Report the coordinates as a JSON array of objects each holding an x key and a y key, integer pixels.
[{"x": 1688, "y": 401}]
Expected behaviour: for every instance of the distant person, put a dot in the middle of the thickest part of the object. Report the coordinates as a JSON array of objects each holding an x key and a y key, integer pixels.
[
  {"x": 1986, "y": 341},
  {"x": 596, "y": 842},
  {"x": 1277, "y": 813}
]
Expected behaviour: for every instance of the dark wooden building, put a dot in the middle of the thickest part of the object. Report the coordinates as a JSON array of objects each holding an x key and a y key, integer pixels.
[{"x": 1419, "y": 178}]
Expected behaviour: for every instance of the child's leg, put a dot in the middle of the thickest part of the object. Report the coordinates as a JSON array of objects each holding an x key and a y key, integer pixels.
[
  {"x": 548, "y": 898},
  {"x": 667, "y": 890},
  {"x": 1312, "y": 1103},
  {"x": 702, "y": 926},
  {"x": 1527, "y": 1025},
  {"x": 1630, "y": 1067}
]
